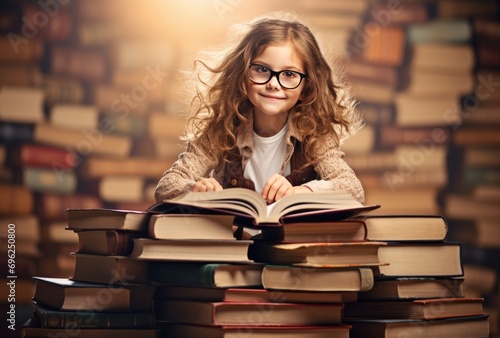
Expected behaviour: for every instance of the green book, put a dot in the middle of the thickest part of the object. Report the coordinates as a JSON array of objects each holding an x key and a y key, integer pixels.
[
  {"x": 211, "y": 275},
  {"x": 438, "y": 31},
  {"x": 94, "y": 319}
]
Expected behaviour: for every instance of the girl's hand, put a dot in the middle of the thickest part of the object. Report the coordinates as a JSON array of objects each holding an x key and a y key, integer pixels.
[
  {"x": 207, "y": 184},
  {"x": 276, "y": 188}
]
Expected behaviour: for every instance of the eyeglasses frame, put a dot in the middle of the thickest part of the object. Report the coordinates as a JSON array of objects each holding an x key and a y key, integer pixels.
[{"x": 277, "y": 75}]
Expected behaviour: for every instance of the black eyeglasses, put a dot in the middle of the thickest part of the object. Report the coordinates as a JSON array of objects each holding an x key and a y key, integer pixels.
[{"x": 288, "y": 79}]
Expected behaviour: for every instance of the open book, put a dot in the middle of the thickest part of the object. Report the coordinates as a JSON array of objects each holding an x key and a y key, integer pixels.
[{"x": 254, "y": 210}]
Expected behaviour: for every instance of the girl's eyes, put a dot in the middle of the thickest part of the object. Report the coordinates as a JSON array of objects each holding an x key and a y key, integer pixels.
[
  {"x": 289, "y": 74},
  {"x": 262, "y": 69}
]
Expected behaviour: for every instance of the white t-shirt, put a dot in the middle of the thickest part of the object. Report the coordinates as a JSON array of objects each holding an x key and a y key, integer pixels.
[{"x": 267, "y": 158}]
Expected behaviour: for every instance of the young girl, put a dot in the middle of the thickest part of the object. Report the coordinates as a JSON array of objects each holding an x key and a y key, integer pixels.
[{"x": 272, "y": 120}]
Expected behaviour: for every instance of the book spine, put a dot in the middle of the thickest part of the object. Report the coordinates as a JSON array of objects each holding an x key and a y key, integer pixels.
[
  {"x": 184, "y": 274},
  {"x": 87, "y": 65},
  {"x": 46, "y": 180},
  {"x": 63, "y": 90},
  {"x": 29, "y": 51},
  {"x": 15, "y": 200},
  {"x": 44, "y": 156},
  {"x": 16, "y": 132},
  {"x": 448, "y": 31},
  {"x": 392, "y": 136},
  {"x": 95, "y": 319},
  {"x": 119, "y": 243}
]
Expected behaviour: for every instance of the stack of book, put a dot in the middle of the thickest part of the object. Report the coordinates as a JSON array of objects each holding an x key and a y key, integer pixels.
[
  {"x": 108, "y": 293},
  {"x": 420, "y": 292},
  {"x": 229, "y": 288}
]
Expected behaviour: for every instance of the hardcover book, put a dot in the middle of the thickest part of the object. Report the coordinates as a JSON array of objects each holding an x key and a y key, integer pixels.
[
  {"x": 222, "y": 250},
  {"x": 247, "y": 295},
  {"x": 335, "y": 254},
  {"x": 251, "y": 314},
  {"x": 49, "y": 318},
  {"x": 100, "y": 218},
  {"x": 458, "y": 327},
  {"x": 323, "y": 279},
  {"x": 434, "y": 308},
  {"x": 184, "y": 330},
  {"x": 65, "y": 294}
]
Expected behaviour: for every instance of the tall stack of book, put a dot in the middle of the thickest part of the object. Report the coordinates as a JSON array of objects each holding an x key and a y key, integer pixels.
[{"x": 420, "y": 292}]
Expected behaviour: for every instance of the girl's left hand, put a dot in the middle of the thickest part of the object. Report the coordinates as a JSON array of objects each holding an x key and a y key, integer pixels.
[{"x": 278, "y": 187}]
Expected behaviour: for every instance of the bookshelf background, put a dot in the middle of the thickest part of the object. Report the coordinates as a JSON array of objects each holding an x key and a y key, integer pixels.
[{"x": 90, "y": 113}]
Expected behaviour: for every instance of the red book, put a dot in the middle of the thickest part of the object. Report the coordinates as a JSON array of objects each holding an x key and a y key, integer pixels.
[{"x": 34, "y": 155}]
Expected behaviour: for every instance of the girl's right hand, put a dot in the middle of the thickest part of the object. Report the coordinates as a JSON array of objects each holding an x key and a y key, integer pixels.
[{"x": 207, "y": 184}]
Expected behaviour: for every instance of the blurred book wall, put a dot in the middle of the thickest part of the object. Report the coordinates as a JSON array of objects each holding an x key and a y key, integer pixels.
[
  {"x": 426, "y": 74},
  {"x": 90, "y": 113}
]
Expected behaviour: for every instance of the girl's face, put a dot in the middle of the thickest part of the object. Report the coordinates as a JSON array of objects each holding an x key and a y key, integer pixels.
[{"x": 271, "y": 100}]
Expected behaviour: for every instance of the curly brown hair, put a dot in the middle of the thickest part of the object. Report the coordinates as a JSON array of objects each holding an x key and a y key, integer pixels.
[{"x": 221, "y": 105}]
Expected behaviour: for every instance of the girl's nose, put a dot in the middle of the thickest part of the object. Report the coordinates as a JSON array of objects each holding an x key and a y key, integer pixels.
[{"x": 273, "y": 82}]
